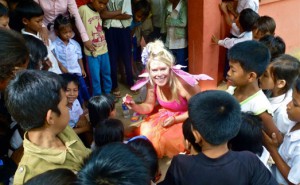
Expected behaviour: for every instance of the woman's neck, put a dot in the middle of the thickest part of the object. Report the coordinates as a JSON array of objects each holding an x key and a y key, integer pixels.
[{"x": 165, "y": 92}]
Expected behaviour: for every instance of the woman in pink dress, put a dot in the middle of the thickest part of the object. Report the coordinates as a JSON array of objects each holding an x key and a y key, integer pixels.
[{"x": 171, "y": 88}]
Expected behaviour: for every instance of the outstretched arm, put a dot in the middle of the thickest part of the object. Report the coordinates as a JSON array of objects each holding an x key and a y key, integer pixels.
[{"x": 228, "y": 19}]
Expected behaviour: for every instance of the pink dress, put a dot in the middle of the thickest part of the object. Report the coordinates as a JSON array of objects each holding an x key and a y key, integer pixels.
[{"x": 167, "y": 141}]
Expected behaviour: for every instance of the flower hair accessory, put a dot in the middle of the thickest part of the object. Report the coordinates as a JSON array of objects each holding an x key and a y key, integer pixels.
[
  {"x": 192, "y": 80},
  {"x": 145, "y": 56}
]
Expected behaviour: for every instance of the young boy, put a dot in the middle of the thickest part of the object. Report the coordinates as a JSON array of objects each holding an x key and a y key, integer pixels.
[
  {"x": 4, "y": 18},
  {"x": 216, "y": 118},
  {"x": 247, "y": 61},
  {"x": 264, "y": 25},
  {"x": 287, "y": 158},
  {"x": 31, "y": 15},
  {"x": 98, "y": 60},
  {"x": 38, "y": 103}
]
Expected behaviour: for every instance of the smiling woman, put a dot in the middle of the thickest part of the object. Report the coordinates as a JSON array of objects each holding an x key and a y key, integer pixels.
[{"x": 172, "y": 88}]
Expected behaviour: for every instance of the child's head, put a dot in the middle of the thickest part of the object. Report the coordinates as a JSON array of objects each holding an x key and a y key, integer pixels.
[
  {"x": 147, "y": 152},
  {"x": 215, "y": 117},
  {"x": 4, "y": 18},
  {"x": 280, "y": 74},
  {"x": 246, "y": 20},
  {"x": 99, "y": 5},
  {"x": 190, "y": 142},
  {"x": 59, "y": 176},
  {"x": 71, "y": 87},
  {"x": 249, "y": 136},
  {"x": 38, "y": 52},
  {"x": 141, "y": 10},
  {"x": 293, "y": 108},
  {"x": 31, "y": 15},
  {"x": 13, "y": 55},
  {"x": 35, "y": 98},
  {"x": 108, "y": 131},
  {"x": 275, "y": 44},
  {"x": 63, "y": 27},
  {"x": 264, "y": 25},
  {"x": 100, "y": 108},
  {"x": 115, "y": 164},
  {"x": 247, "y": 61}
]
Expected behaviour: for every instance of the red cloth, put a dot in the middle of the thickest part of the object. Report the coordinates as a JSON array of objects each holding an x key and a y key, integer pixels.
[{"x": 81, "y": 2}]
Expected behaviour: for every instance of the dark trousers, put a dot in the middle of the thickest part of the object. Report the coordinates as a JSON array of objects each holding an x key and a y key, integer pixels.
[{"x": 119, "y": 49}]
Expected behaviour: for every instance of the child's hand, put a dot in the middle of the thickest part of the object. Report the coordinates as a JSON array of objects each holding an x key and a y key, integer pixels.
[
  {"x": 44, "y": 36},
  {"x": 271, "y": 143},
  {"x": 83, "y": 73},
  {"x": 223, "y": 7},
  {"x": 89, "y": 45},
  {"x": 214, "y": 39}
]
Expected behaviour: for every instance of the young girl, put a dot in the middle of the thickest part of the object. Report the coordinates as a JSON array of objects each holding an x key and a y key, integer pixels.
[
  {"x": 278, "y": 78},
  {"x": 287, "y": 157},
  {"x": 68, "y": 52}
]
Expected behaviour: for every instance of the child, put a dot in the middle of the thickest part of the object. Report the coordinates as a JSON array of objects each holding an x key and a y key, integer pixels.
[
  {"x": 287, "y": 157},
  {"x": 4, "y": 19},
  {"x": 279, "y": 78},
  {"x": 249, "y": 138},
  {"x": 68, "y": 52},
  {"x": 248, "y": 60},
  {"x": 216, "y": 118},
  {"x": 245, "y": 22},
  {"x": 30, "y": 15},
  {"x": 176, "y": 23},
  {"x": 146, "y": 151},
  {"x": 108, "y": 131},
  {"x": 264, "y": 25},
  {"x": 275, "y": 44},
  {"x": 49, "y": 142},
  {"x": 114, "y": 163},
  {"x": 118, "y": 17},
  {"x": 98, "y": 60},
  {"x": 78, "y": 120},
  {"x": 101, "y": 108},
  {"x": 191, "y": 146}
]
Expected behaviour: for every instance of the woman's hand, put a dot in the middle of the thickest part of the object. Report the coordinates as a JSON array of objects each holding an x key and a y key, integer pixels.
[
  {"x": 89, "y": 45},
  {"x": 128, "y": 101},
  {"x": 169, "y": 121},
  {"x": 44, "y": 35}
]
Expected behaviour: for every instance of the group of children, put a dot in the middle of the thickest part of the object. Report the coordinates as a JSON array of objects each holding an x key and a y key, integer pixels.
[{"x": 261, "y": 116}]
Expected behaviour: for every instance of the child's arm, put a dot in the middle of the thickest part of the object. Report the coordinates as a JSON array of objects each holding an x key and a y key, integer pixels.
[
  {"x": 269, "y": 127},
  {"x": 271, "y": 143},
  {"x": 82, "y": 125},
  {"x": 181, "y": 21},
  {"x": 61, "y": 67},
  {"x": 105, "y": 14},
  {"x": 231, "y": 6},
  {"x": 228, "y": 19},
  {"x": 82, "y": 68}
]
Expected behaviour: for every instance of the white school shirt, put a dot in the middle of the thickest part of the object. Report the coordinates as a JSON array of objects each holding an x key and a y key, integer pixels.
[
  {"x": 75, "y": 112},
  {"x": 68, "y": 55},
  {"x": 280, "y": 117},
  {"x": 289, "y": 150},
  {"x": 258, "y": 103},
  {"x": 265, "y": 157},
  {"x": 230, "y": 42},
  {"x": 55, "y": 68}
]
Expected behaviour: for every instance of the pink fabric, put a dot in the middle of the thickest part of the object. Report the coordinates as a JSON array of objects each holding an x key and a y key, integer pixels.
[
  {"x": 52, "y": 8},
  {"x": 175, "y": 106}
]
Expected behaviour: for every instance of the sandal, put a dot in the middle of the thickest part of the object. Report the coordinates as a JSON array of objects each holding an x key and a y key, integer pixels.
[{"x": 116, "y": 93}]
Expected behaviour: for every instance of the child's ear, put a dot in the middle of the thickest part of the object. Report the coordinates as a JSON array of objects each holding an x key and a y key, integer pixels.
[
  {"x": 252, "y": 76},
  {"x": 280, "y": 83},
  {"x": 49, "y": 117},
  {"x": 25, "y": 21},
  {"x": 197, "y": 136}
]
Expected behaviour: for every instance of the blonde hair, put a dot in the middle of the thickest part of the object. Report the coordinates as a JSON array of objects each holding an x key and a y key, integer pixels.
[{"x": 158, "y": 52}]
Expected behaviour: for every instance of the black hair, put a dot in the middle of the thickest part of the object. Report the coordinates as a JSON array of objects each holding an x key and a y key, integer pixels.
[
  {"x": 188, "y": 134},
  {"x": 30, "y": 95},
  {"x": 275, "y": 44},
  {"x": 249, "y": 136},
  {"x": 216, "y": 115},
  {"x": 108, "y": 131},
  {"x": 61, "y": 20},
  {"x": 113, "y": 164},
  {"x": 100, "y": 108},
  {"x": 285, "y": 67},
  {"x": 251, "y": 55},
  {"x": 3, "y": 10},
  {"x": 38, "y": 51},
  {"x": 297, "y": 85},
  {"x": 59, "y": 176},
  {"x": 265, "y": 25},
  {"x": 247, "y": 19},
  {"x": 142, "y": 5},
  {"x": 13, "y": 53},
  {"x": 147, "y": 152},
  {"x": 68, "y": 78}
]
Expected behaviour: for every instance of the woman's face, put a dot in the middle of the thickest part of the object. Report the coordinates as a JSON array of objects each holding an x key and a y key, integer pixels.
[{"x": 159, "y": 72}]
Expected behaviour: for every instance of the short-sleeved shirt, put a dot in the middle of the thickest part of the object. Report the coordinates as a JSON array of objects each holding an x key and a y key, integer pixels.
[
  {"x": 75, "y": 112},
  {"x": 37, "y": 160},
  {"x": 68, "y": 54},
  {"x": 243, "y": 4},
  {"x": 258, "y": 103},
  {"x": 114, "y": 5},
  {"x": 289, "y": 150}
]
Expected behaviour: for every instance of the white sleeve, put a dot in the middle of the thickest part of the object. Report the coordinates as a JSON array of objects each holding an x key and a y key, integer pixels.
[
  {"x": 294, "y": 174},
  {"x": 126, "y": 7}
]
